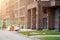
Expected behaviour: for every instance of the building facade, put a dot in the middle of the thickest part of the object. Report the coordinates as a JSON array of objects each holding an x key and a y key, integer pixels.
[
  {"x": 36, "y": 14},
  {"x": 12, "y": 12},
  {"x": 2, "y": 12},
  {"x": 43, "y": 14},
  {"x": 16, "y": 11}
]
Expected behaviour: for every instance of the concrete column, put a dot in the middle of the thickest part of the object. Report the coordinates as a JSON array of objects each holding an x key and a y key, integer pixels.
[
  {"x": 59, "y": 18},
  {"x": 37, "y": 17},
  {"x": 31, "y": 19}
]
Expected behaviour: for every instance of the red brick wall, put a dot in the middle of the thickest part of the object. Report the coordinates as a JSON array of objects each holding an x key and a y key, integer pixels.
[
  {"x": 29, "y": 19},
  {"x": 40, "y": 15},
  {"x": 34, "y": 18},
  {"x": 44, "y": 3},
  {"x": 29, "y": 2},
  {"x": 50, "y": 18}
]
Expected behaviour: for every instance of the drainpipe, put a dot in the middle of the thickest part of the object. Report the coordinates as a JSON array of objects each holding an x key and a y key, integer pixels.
[
  {"x": 37, "y": 18},
  {"x": 18, "y": 11},
  {"x": 31, "y": 19}
]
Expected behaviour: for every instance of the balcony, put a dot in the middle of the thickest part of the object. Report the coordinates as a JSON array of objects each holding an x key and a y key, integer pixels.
[
  {"x": 55, "y": 2},
  {"x": 52, "y": 3}
]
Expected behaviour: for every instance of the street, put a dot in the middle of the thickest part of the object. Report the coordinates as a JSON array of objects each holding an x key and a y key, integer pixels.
[{"x": 9, "y": 35}]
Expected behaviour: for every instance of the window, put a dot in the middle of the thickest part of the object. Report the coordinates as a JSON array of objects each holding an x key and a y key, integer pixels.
[
  {"x": 45, "y": 11},
  {"x": 36, "y": 0}
]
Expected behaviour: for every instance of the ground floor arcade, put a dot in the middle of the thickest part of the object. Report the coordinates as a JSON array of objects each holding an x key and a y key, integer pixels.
[{"x": 44, "y": 18}]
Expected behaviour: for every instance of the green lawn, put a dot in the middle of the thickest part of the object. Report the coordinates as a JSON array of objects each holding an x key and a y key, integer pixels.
[
  {"x": 50, "y": 38},
  {"x": 48, "y": 32}
]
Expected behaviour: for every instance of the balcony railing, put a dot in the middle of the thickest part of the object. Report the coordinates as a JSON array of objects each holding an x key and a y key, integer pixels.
[
  {"x": 52, "y": 3},
  {"x": 55, "y": 2},
  {"x": 44, "y": 0}
]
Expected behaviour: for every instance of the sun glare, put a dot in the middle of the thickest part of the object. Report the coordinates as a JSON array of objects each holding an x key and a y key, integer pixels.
[{"x": 0, "y": 1}]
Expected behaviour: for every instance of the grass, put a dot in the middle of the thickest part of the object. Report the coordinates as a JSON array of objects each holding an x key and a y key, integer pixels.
[
  {"x": 50, "y": 38},
  {"x": 41, "y": 32}
]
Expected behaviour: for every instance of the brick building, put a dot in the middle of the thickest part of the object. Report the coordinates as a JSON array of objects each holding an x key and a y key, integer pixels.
[
  {"x": 12, "y": 12},
  {"x": 23, "y": 13},
  {"x": 16, "y": 12},
  {"x": 43, "y": 14},
  {"x": 37, "y": 14},
  {"x": 12, "y": 8}
]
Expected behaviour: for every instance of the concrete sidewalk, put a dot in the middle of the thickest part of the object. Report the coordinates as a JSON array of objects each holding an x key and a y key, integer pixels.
[
  {"x": 9, "y": 35},
  {"x": 40, "y": 36}
]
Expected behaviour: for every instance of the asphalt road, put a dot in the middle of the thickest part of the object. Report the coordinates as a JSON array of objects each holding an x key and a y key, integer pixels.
[{"x": 8, "y": 35}]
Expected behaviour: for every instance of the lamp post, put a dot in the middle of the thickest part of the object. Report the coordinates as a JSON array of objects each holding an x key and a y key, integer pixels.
[
  {"x": 19, "y": 13},
  {"x": 18, "y": 10}
]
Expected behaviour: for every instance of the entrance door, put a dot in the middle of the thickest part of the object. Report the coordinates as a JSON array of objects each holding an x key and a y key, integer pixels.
[{"x": 44, "y": 23}]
